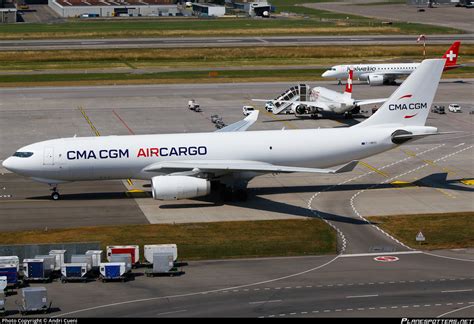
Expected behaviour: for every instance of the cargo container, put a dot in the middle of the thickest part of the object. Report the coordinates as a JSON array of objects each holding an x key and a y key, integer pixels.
[
  {"x": 151, "y": 249},
  {"x": 133, "y": 250},
  {"x": 125, "y": 258},
  {"x": 82, "y": 258},
  {"x": 34, "y": 299},
  {"x": 163, "y": 264},
  {"x": 74, "y": 271},
  {"x": 96, "y": 257},
  {"x": 10, "y": 271},
  {"x": 49, "y": 261},
  {"x": 3, "y": 283},
  {"x": 112, "y": 271},
  {"x": 34, "y": 269},
  {"x": 60, "y": 258},
  {"x": 13, "y": 259},
  {"x": 2, "y": 303}
]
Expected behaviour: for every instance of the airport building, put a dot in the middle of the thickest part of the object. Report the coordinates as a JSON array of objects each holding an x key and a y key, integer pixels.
[{"x": 113, "y": 8}]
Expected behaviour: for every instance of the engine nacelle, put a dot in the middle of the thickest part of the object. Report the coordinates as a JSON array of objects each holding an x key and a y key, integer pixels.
[
  {"x": 179, "y": 187},
  {"x": 300, "y": 110},
  {"x": 375, "y": 79}
]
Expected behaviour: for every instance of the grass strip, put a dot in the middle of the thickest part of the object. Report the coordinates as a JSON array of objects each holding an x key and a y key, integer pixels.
[
  {"x": 292, "y": 75},
  {"x": 202, "y": 240},
  {"x": 442, "y": 231},
  {"x": 320, "y": 23}
]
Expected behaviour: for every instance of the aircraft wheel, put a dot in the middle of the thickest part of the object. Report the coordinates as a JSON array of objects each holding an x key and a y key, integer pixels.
[{"x": 55, "y": 195}]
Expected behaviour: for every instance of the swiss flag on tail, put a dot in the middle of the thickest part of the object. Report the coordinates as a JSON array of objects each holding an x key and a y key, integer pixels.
[
  {"x": 348, "y": 90},
  {"x": 451, "y": 56}
]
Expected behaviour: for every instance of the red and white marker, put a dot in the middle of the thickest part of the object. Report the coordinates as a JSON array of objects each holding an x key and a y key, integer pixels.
[{"x": 386, "y": 258}]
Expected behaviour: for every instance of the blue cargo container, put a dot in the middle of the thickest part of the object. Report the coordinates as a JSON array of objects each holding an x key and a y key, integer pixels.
[
  {"x": 34, "y": 269},
  {"x": 112, "y": 271},
  {"x": 74, "y": 271},
  {"x": 9, "y": 271}
]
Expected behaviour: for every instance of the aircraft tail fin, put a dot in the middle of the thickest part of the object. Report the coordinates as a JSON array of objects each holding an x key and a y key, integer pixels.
[
  {"x": 348, "y": 91},
  {"x": 410, "y": 104},
  {"x": 451, "y": 55}
]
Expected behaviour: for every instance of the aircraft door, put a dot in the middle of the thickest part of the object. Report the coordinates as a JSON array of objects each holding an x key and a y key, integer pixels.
[{"x": 48, "y": 158}]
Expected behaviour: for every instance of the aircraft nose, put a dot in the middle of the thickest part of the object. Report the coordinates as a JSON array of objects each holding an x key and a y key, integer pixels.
[
  {"x": 325, "y": 74},
  {"x": 8, "y": 164}
]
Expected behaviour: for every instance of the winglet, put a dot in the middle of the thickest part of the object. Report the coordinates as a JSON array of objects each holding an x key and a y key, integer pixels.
[{"x": 348, "y": 167}]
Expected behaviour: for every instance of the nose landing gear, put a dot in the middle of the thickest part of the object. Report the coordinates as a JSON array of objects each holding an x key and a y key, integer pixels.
[{"x": 55, "y": 194}]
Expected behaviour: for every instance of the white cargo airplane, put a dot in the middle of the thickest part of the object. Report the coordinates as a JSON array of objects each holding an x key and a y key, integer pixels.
[
  {"x": 327, "y": 100},
  {"x": 378, "y": 74},
  {"x": 183, "y": 165}
]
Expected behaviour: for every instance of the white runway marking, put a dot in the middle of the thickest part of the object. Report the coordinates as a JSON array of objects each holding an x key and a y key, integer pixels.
[
  {"x": 456, "y": 291},
  {"x": 362, "y": 296},
  {"x": 265, "y": 301},
  {"x": 180, "y": 311}
]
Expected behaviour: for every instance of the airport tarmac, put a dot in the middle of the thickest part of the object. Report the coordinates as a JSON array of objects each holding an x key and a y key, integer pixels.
[
  {"x": 352, "y": 283},
  {"x": 29, "y": 115},
  {"x": 440, "y": 15},
  {"x": 414, "y": 285}
]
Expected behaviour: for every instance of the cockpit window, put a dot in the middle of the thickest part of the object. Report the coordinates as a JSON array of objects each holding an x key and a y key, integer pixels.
[{"x": 23, "y": 154}]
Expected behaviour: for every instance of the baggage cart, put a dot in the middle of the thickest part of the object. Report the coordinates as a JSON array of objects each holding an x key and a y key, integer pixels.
[
  {"x": 82, "y": 258},
  {"x": 60, "y": 258},
  {"x": 2, "y": 303},
  {"x": 49, "y": 261},
  {"x": 96, "y": 257},
  {"x": 125, "y": 258},
  {"x": 133, "y": 250},
  {"x": 163, "y": 265},
  {"x": 96, "y": 260},
  {"x": 34, "y": 299},
  {"x": 35, "y": 270},
  {"x": 112, "y": 271},
  {"x": 151, "y": 249},
  {"x": 11, "y": 273},
  {"x": 74, "y": 272},
  {"x": 3, "y": 283},
  {"x": 13, "y": 259}
]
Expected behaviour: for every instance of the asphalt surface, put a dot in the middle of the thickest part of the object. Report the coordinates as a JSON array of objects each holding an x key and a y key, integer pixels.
[
  {"x": 434, "y": 165},
  {"x": 345, "y": 285},
  {"x": 416, "y": 285},
  {"x": 440, "y": 15},
  {"x": 226, "y": 41}
]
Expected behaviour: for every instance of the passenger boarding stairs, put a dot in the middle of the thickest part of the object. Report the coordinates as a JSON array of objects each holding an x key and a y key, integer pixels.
[{"x": 296, "y": 93}]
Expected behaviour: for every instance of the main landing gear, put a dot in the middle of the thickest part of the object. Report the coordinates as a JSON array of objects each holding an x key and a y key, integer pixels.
[{"x": 55, "y": 194}]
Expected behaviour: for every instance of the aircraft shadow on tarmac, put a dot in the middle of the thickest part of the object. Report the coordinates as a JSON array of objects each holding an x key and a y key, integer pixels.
[
  {"x": 264, "y": 204},
  {"x": 436, "y": 180}
]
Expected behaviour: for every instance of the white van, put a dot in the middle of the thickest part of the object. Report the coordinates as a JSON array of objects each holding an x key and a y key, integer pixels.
[{"x": 247, "y": 110}]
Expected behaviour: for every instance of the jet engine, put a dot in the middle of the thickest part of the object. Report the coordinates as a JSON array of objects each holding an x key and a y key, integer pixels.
[
  {"x": 375, "y": 79},
  {"x": 300, "y": 110},
  {"x": 179, "y": 187}
]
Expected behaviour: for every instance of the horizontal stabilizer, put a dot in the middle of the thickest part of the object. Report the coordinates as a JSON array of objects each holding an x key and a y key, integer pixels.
[{"x": 409, "y": 135}]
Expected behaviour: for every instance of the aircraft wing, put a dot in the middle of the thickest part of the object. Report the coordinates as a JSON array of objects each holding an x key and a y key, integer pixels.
[
  {"x": 239, "y": 165},
  {"x": 241, "y": 125},
  {"x": 369, "y": 101}
]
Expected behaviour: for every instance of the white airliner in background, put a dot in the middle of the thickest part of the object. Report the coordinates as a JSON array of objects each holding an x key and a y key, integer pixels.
[
  {"x": 378, "y": 74},
  {"x": 183, "y": 165},
  {"x": 322, "y": 99}
]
